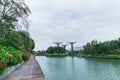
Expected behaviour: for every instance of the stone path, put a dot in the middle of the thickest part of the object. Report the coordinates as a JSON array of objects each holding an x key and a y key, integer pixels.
[{"x": 30, "y": 70}]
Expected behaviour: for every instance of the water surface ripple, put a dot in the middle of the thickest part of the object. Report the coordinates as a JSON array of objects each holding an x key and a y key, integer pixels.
[{"x": 69, "y": 68}]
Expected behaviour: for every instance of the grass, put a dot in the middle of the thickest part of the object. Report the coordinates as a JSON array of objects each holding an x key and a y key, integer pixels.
[{"x": 102, "y": 56}]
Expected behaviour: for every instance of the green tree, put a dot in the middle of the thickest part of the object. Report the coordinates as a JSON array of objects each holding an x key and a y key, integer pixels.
[
  {"x": 50, "y": 50},
  {"x": 11, "y": 13},
  {"x": 59, "y": 50},
  {"x": 22, "y": 39},
  {"x": 107, "y": 47},
  {"x": 28, "y": 43}
]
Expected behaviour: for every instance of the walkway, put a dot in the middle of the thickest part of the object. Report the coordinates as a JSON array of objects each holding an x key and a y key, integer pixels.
[{"x": 30, "y": 70}]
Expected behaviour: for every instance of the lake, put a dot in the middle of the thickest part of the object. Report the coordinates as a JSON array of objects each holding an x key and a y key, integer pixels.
[{"x": 69, "y": 68}]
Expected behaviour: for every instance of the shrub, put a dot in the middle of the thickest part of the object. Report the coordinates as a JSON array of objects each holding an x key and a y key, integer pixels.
[
  {"x": 10, "y": 56},
  {"x": 3, "y": 60},
  {"x": 26, "y": 56},
  {"x": 7, "y": 43}
]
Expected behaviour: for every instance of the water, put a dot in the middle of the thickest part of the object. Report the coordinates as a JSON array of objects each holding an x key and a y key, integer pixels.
[{"x": 69, "y": 68}]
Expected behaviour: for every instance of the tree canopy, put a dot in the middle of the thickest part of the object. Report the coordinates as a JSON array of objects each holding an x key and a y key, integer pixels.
[
  {"x": 13, "y": 17},
  {"x": 52, "y": 50},
  {"x": 107, "y": 47},
  {"x": 12, "y": 13}
]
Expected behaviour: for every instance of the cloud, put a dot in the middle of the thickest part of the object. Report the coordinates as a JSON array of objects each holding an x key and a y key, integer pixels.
[{"x": 73, "y": 20}]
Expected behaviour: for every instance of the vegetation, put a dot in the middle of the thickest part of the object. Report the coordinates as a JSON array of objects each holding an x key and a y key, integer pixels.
[
  {"x": 52, "y": 52},
  {"x": 13, "y": 15},
  {"x": 58, "y": 50},
  {"x": 56, "y": 55},
  {"x": 15, "y": 41},
  {"x": 39, "y": 53},
  {"x": 107, "y": 49},
  {"x": 74, "y": 53}
]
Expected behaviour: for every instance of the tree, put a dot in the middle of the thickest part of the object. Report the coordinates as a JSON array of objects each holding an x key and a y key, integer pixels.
[
  {"x": 58, "y": 50},
  {"x": 50, "y": 50},
  {"x": 107, "y": 47},
  {"x": 22, "y": 39},
  {"x": 11, "y": 13},
  {"x": 13, "y": 16},
  {"x": 28, "y": 43}
]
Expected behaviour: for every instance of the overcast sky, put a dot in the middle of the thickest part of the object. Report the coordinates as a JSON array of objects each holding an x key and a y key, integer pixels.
[{"x": 73, "y": 20}]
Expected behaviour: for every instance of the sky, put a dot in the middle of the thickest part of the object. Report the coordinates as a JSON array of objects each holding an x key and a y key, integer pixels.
[{"x": 73, "y": 20}]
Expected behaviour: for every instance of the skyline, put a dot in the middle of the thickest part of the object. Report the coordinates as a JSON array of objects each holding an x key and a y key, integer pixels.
[{"x": 73, "y": 20}]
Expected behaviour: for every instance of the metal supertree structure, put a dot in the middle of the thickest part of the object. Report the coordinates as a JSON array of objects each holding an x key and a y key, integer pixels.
[
  {"x": 71, "y": 43},
  {"x": 64, "y": 46},
  {"x": 57, "y": 43}
]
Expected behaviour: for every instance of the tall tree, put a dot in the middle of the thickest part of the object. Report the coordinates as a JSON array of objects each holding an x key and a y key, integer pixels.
[{"x": 11, "y": 13}]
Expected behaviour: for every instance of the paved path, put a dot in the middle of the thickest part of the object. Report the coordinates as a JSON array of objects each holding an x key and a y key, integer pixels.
[{"x": 30, "y": 70}]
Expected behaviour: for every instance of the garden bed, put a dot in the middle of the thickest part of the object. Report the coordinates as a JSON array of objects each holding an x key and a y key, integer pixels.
[{"x": 10, "y": 69}]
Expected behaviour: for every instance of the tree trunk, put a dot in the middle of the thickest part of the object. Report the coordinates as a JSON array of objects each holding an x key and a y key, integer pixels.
[{"x": 1, "y": 30}]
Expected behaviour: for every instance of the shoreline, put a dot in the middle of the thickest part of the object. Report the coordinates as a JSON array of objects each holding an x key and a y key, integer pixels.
[
  {"x": 40, "y": 68},
  {"x": 101, "y": 57},
  {"x": 89, "y": 56}
]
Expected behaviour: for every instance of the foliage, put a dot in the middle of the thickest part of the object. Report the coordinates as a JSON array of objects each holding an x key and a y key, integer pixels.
[
  {"x": 28, "y": 43},
  {"x": 3, "y": 60},
  {"x": 56, "y": 55},
  {"x": 7, "y": 43},
  {"x": 39, "y": 53},
  {"x": 73, "y": 53},
  {"x": 21, "y": 39},
  {"x": 26, "y": 56},
  {"x": 15, "y": 44},
  {"x": 52, "y": 50},
  {"x": 12, "y": 12},
  {"x": 107, "y": 47},
  {"x": 9, "y": 56}
]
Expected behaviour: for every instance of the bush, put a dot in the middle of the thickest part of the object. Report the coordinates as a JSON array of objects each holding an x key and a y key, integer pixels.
[
  {"x": 26, "y": 56},
  {"x": 58, "y": 50},
  {"x": 10, "y": 56},
  {"x": 7, "y": 43},
  {"x": 3, "y": 60}
]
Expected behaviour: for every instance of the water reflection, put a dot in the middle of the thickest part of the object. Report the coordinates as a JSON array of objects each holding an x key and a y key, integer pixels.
[
  {"x": 103, "y": 69},
  {"x": 69, "y": 68}
]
